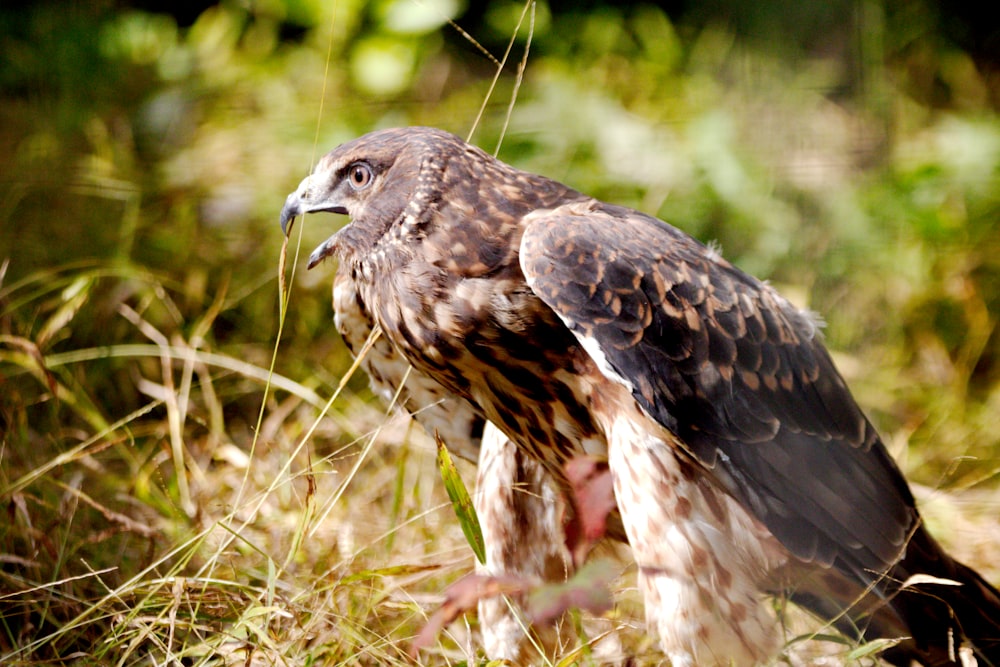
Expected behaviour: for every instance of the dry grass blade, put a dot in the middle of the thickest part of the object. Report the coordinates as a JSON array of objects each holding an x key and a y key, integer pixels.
[
  {"x": 126, "y": 522},
  {"x": 55, "y": 584},
  {"x": 174, "y": 400},
  {"x": 366, "y": 348},
  {"x": 528, "y": 6},
  {"x": 519, "y": 78},
  {"x": 74, "y": 297},
  {"x": 185, "y": 354},
  {"x": 33, "y": 361},
  {"x": 919, "y": 579}
]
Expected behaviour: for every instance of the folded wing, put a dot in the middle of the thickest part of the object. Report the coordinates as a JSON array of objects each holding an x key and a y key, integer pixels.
[{"x": 731, "y": 368}]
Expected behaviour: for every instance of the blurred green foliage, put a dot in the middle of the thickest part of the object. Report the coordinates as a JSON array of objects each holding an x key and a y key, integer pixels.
[
  {"x": 847, "y": 151},
  {"x": 853, "y": 157},
  {"x": 859, "y": 169}
]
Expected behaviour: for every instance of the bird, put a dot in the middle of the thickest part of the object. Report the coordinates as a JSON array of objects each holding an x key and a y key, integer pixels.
[{"x": 742, "y": 465}]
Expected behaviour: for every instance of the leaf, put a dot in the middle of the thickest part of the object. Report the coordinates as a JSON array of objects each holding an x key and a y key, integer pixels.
[
  {"x": 460, "y": 500},
  {"x": 873, "y": 647},
  {"x": 589, "y": 589},
  {"x": 462, "y": 596}
]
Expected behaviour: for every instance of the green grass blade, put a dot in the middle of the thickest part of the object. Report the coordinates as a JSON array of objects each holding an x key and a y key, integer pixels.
[{"x": 460, "y": 500}]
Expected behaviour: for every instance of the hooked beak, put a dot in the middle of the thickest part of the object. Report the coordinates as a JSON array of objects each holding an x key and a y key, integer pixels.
[
  {"x": 299, "y": 203},
  {"x": 291, "y": 209}
]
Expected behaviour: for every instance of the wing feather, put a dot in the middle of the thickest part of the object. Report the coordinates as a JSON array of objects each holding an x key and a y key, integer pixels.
[{"x": 732, "y": 369}]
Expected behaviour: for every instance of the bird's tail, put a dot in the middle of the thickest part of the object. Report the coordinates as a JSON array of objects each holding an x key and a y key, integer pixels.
[{"x": 947, "y": 607}]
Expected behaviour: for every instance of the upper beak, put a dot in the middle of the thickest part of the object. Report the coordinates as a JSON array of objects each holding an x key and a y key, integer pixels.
[
  {"x": 301, "y": 202},
  {"x": 291, "y": 209}
]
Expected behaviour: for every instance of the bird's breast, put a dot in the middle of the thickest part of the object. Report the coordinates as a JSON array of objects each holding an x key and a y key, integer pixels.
[{"x": 493, "y": 342}]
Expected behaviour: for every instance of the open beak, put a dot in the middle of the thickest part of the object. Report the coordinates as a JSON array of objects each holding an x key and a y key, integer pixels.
[{"x": 299, "y": 203}]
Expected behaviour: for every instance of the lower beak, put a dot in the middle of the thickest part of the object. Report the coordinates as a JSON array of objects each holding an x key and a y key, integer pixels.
[{"x": 298, "y": 203}]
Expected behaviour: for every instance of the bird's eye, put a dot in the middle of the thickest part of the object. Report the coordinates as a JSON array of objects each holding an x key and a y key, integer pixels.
[{"x": 359, "y": 175}]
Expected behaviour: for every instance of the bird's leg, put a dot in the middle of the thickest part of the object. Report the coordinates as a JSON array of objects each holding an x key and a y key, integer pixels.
[
  {"x": 699, "y": 555},
  {"x": 520, "y": 512}
]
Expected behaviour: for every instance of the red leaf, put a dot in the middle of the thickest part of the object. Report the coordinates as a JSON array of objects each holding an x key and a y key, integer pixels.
[
  {"x": 463, "y": 596},
  {"x": 589, "y": 589}
]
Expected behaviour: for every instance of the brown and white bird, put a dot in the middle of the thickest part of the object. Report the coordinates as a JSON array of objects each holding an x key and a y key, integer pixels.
[{"x": 742, "y": 464}]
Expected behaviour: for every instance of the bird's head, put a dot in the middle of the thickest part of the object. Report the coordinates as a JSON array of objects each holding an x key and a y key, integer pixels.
[{"x": 376, "y": 180}]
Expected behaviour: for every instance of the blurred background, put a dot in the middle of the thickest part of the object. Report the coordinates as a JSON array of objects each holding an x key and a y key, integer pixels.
[{"x": 164, "y": 500}]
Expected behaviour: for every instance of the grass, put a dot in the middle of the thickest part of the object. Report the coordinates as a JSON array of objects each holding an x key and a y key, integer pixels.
[
  {"x": 155, "y": 538},
  {"x": 186, "y": 533},
  {"x": 186, "y": 482}
]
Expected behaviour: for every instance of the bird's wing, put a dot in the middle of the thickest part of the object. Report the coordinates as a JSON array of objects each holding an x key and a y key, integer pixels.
[{"x": 732, "y": 369}]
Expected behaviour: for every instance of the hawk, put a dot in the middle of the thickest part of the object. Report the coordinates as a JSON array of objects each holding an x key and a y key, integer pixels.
[{"x": 741, "y": 463}]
